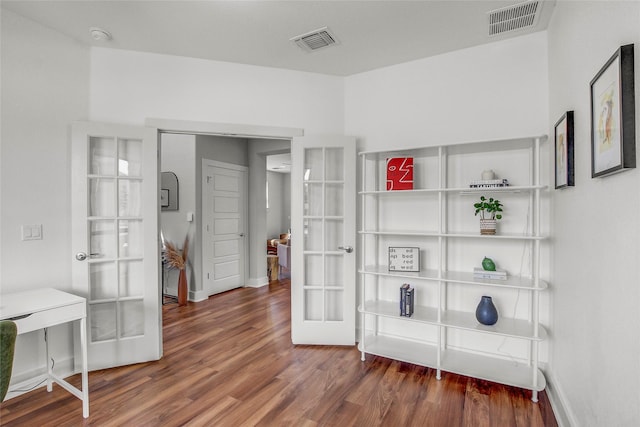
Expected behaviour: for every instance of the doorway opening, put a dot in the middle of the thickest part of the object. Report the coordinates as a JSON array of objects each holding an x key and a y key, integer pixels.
[
  {"x": 278, "y": 205},
  {"x": 188, "y": 143}
]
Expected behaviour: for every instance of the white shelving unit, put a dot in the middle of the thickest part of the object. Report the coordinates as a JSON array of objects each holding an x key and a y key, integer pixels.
[{"x": 440, "y": 195}]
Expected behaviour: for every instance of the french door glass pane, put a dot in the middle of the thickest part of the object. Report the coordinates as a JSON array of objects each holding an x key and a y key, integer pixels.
[
  {"x": 102, "y": 239},
  {"x": 130, "y": 238},
  {"x": 102, "y": 278},
  {"x": 313, "y": 203},
  {"x": 129, "y": 157},
  {"x": 313, "y": 305},
  {"x": 334, "y": 161},
  {"x": 313, "y": 164},
  {"x": 101, "y": 197},
  {"x": 333, "y": 271},
  {"x": 129, "y": 197},
  {"x": 131, "y": 279},
  {"x": 313, "y": 270},
  {"x": 132, "y": 318},
  {"x": 103, "y": 321},
  {"x": 333, "y": 305},
  {"x": 334, "y": 200},
  {"x": 313, "y": 235},
  {"x": 102, "y": 156},
  {"x": 334, "y": 232}
]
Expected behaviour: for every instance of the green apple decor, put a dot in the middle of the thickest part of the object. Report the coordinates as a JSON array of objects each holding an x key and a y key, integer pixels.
[{"x": 488, "y": 264}]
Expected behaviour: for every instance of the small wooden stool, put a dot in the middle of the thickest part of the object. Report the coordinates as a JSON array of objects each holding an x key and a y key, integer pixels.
[{"x": 272, "y": 267}]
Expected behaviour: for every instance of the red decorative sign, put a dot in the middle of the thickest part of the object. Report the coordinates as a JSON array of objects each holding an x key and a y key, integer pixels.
[{"x": 400, "y": 173}]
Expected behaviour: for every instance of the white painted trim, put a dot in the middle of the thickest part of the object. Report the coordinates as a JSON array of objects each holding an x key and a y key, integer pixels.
[
  {"x": 561, "y": 409},
  {"x": 225, "y": 129},
  {"x": 219, "y": 164},
  {"x": 258, "y": 282},
  {"x": 198, "y": 296}
]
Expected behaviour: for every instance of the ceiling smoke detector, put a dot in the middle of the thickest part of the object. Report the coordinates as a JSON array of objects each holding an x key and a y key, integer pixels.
[
  {"x": 98, "y": 34},
  {"x": 315, "y": 40},
  {"x": 515, "y": 17}
]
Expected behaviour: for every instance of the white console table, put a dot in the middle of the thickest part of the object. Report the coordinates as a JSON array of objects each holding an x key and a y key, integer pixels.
[{"x": 41, "y": 308}]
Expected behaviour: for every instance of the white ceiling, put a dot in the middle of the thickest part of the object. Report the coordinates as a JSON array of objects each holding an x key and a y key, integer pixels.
[
  {"x": 372, "y": 34},
  {"x": 279, "y": 163}
]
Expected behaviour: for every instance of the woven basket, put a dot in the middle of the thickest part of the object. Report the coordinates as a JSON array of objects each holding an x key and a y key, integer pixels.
[{"x": 487, "y": 226}]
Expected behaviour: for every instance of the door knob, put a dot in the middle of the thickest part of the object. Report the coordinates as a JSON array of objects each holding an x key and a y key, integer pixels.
[
  {"x": 347, "y": 249},
  {"x": 81, "y": 256}
]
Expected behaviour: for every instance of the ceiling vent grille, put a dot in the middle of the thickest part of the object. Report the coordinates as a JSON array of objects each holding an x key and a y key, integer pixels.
[
  {"x": 512, "y": 18},
  {"x": 315, "y": 40}
]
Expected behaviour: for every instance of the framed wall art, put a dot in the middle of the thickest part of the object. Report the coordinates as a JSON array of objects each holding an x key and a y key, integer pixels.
[
  {"x": 168, "y": 191},
  {"x": 613, "y": 130},
  {"x": 399, "y": 173},
  {"x": 564, "y": 151}
]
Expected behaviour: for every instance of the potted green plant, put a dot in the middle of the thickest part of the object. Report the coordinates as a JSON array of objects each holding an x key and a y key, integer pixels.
[{"x": 489, "y": 210}]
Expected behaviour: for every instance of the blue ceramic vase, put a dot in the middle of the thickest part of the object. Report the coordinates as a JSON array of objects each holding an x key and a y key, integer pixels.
[{"x": 486, "y": 312}]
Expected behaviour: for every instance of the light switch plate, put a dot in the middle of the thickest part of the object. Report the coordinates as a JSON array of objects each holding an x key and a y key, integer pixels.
[{"x": 32, "y": 232}]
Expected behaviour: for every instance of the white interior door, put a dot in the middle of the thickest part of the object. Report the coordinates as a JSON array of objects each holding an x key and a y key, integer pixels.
[
  {"x": 115, "y": 244},
  {"x": 323, "y": 236},
  {"x": 224, "y": 225}
]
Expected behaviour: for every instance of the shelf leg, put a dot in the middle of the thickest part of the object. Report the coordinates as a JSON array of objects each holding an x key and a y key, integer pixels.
[
  {"x": 438, "y": 374},
  {"x": 362, "y": 356},
  {"x": 534, "y": 396}
]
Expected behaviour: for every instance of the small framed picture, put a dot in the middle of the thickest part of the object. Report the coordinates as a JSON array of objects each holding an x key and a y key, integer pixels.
[
  {"x": 613, "y": 133},
  {"x": 564, "y": 151},
  {"x": 404, "y": 259},
  {"x": 164, "y": 198}
]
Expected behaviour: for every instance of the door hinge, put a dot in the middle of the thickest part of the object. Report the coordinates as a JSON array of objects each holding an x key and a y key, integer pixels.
[{"x": 208, "y": 179}]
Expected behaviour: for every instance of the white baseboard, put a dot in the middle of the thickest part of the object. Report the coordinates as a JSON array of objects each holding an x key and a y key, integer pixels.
[
  {"x": 197, "y": 296},
  {"x": 559, "y": 404},
  {"x": 257, "y": 282},
  {"x": 32, "y": 379}
]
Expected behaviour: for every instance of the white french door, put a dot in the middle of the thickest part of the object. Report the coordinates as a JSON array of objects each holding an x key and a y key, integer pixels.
[
  {"x": 115, "y": 244},
  {"x": 323, "y": 236},
  {"x": 224, "y": 189}
]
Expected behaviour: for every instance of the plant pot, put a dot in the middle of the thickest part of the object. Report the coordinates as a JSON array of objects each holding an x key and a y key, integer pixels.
[
  {"x": 486, "y": 312},
  {"x": 182, "y": 287},
  {"x": 487, "y": 226}
]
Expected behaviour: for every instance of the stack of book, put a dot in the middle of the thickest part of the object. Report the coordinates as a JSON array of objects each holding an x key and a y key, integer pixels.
[
  {"x": 488, "y": 183},
  {"x": 480, "y": 273},
  {"x": 407, "y": 297}
]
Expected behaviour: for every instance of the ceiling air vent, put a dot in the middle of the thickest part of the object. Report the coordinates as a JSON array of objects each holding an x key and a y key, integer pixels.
[
  {"x": 315, "y": 40},
  {"x": 512, "y": 18}
]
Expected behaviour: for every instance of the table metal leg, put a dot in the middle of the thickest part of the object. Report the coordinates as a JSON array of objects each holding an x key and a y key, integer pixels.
[
  {"x": 46, "y": 355},
  {"x": 85, "y": 374}
]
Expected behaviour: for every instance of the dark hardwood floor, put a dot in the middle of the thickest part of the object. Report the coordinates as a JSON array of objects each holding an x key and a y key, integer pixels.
[{"x": 229, "y": 361}]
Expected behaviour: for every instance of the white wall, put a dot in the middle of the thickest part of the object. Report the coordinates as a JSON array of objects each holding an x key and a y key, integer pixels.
[
  {"x": 277, "y": 205},
  {"x": 497, "y": 90},
  {"x": 128, "y": 87},
  {"x": 595, "y": 356},
  {"x": 45, "y": 86},
  {"x": 179, "y": 157}
]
